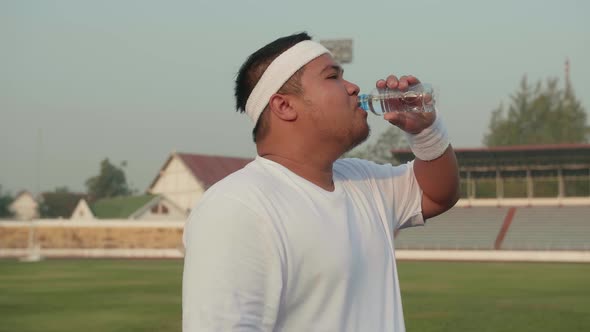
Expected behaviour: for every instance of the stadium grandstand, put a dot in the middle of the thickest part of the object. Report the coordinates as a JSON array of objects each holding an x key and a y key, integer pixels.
[
  {"x": 534, "y": 197},
  {"x": 524, "y": 171},
  {"x": 519, "y": 203}
]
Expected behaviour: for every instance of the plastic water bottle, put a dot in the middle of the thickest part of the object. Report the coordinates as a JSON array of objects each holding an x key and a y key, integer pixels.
[{"x": 418, "y": 98}]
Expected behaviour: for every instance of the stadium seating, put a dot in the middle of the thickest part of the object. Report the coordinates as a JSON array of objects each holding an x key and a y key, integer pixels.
[
  {"x": 459, "y": 228},
  {"x": 549, "y": 228},
  {"x": 477, "y": 228}
]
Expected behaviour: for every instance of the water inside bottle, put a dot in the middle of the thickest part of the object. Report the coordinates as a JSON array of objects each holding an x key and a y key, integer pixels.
[{"x": 397, "y": 101}]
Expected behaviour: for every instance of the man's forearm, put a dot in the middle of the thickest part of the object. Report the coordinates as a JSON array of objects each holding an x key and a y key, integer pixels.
[{"x": 439, "y": 181}]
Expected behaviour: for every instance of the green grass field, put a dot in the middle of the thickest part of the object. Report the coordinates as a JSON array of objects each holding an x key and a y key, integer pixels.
[{"x": 145, "y": 295}]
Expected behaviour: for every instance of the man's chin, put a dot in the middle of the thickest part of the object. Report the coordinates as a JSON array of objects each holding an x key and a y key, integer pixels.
[{"x": 360, "y": 137}]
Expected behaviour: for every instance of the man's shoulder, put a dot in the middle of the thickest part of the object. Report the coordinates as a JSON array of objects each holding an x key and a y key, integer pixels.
[
  {"x": 245, "y": 187},
  {"x": 364, "y": 169},
  {"x": 246, "y": 179},
  {"x": 345, "y": 163},
  {"x": 354, "y": 166}
]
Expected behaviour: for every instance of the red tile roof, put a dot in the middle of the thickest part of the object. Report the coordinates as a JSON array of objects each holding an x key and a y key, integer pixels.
[{"x": 211, "y": 169}]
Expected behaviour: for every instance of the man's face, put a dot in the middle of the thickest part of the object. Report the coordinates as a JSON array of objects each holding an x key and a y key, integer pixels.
[{"x": 331, "y": 104}]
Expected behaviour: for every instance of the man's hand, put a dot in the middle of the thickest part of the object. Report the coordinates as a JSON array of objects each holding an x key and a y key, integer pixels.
[
  {"x": 410, "y": 122},
  {"x": 438, "y": 178}
]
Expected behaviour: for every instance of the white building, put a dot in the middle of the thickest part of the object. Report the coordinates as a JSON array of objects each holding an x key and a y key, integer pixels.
[
  {"x": 184, "y": 177},
  {"x": 143, "y": 207},
  {"x": 82, "y": 211},
  {"x": 24, "y": 206}
]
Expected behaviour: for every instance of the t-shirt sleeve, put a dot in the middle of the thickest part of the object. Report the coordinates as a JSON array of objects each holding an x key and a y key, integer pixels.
[
  {"x": 398, "y": 190},
  {"x": 232, "y": 272},
  {"x": 406, "y": 195}
]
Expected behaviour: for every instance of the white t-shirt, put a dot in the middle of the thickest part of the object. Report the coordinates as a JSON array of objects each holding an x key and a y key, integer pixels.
[{"x": 267, "y": 250}]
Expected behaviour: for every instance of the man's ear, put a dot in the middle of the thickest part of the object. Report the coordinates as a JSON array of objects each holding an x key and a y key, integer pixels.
[{"x": 282, "y": 106}]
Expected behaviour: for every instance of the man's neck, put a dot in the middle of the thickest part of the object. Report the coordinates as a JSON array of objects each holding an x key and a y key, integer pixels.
[{"x": 313, "y": 169}]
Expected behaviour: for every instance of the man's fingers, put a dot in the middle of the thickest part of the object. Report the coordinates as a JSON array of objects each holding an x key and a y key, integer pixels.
[
  {"x": 395, "y": 118},
  {"x": 392, "y": 82},
  {"x": 406, "y": 81},
  {"x": 411, "y": 122},
  {"x": 412, "y": 80}
]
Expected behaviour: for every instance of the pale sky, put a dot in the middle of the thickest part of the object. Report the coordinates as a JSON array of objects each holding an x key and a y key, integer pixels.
[{"x": 135, "y": 80}]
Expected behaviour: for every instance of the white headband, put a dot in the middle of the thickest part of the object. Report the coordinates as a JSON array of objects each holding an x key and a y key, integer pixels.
[{"x": 279, "y": 72}]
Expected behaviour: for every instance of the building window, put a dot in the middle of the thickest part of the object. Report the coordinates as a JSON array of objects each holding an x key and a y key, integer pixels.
[{"x": 159, "y": 209}]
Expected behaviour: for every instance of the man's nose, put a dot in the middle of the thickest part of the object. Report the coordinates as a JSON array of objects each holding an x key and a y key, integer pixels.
[{"x": 352, "y": 88}]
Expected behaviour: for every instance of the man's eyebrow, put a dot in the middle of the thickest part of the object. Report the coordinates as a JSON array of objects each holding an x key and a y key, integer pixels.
[{"x": 337, "y": 68}]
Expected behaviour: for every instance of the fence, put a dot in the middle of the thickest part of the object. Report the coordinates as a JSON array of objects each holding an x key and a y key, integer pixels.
[
  {"x": 104, "y": 238},
  {"x": 542, "y": 229}
]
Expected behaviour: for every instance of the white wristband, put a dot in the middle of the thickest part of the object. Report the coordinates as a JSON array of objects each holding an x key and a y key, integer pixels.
[{"x": 431, "y": 142}]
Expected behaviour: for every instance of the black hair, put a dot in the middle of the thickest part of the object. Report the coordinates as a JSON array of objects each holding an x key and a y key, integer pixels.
[{"x": 251, "y": 72}]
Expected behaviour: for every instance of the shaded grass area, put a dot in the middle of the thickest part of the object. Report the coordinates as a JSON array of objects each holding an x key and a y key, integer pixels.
[
  {"x": 441, "y": 296},
  {"x": 90, "y": 295},
  {"x": 145, "y": 295}
]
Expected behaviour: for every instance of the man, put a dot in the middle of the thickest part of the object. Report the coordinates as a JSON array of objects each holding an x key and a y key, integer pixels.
[{"x": 300, "y": 240}]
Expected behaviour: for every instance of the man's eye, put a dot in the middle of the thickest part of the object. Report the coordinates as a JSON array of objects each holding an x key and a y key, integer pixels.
[{"x": 332, "y": 77}]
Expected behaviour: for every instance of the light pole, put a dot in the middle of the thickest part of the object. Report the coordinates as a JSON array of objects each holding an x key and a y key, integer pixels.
[{"x": 341, "y": 49}]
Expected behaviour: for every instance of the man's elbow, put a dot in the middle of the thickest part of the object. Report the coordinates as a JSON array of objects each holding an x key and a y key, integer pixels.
[
  {"x": 454, "y": 199},
  {"x": 433, "y": 207},
  {"x": 447, "y": 201},
  {"x": 450, "y": 200},
  {"x": 454, "y": 194}
]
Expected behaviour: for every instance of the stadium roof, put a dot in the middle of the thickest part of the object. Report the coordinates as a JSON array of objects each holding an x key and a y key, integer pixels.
[{"x": 547, "y": 156}]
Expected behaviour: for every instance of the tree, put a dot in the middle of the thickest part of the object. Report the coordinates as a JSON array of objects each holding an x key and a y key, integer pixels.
[
  {"x": 380, "y": 151},
  {"x": 59, "y": 203},
  {"x": 539, "y": 115},
  {"x": 110, "y": 182},
  {"x": 5, "y": 200}
]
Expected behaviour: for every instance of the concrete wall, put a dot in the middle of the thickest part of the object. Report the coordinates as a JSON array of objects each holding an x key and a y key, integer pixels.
[
  {"x": 68, "y": 234},
  {"x": 495, "y": 255},
  {"x": 557, "y": 201},
  {"x": 163, "y": 239}
]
